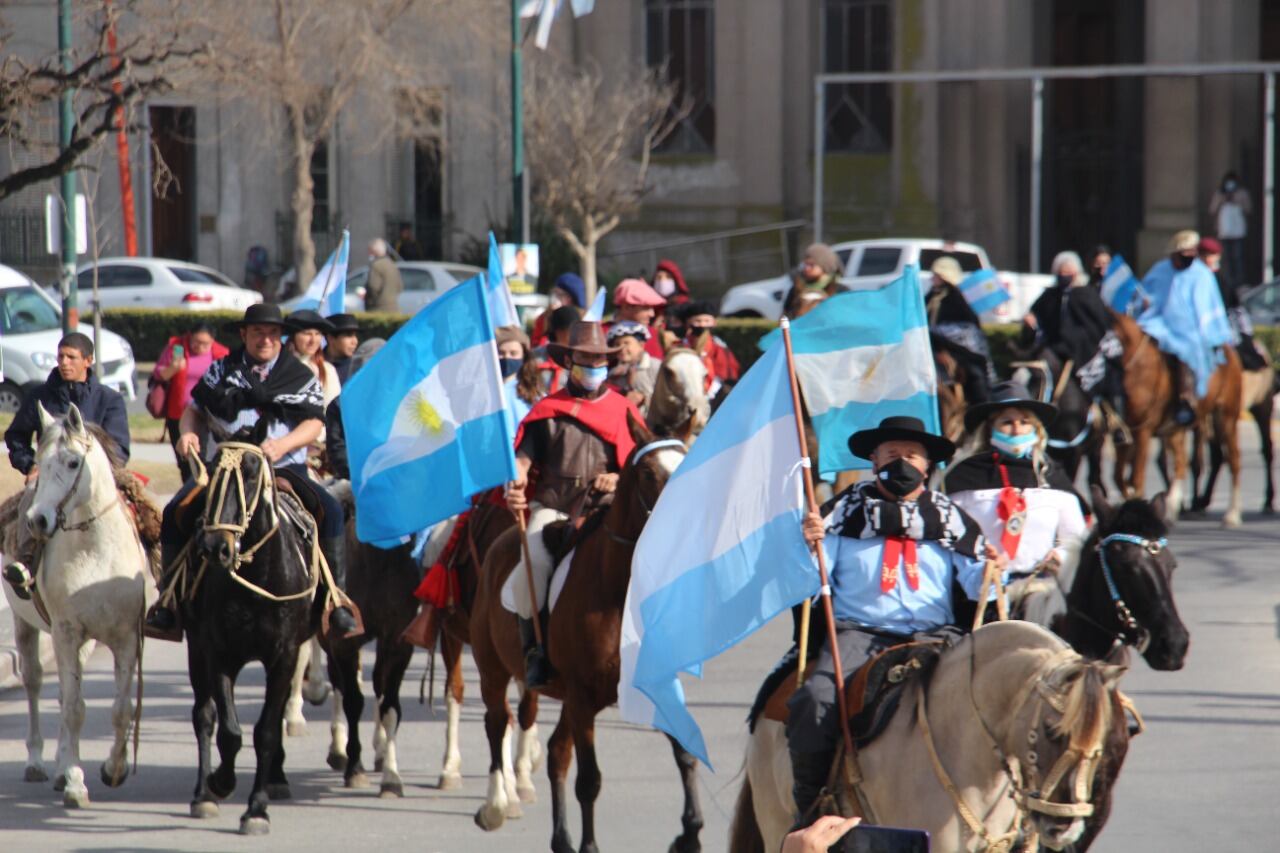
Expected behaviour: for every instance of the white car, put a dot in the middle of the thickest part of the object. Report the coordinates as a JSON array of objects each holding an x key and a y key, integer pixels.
[
  {"x": 30, "y": 328},
  {"x": 871, "y": 264},
  {"x": 161, "y": 283},
  {"x": 423, "y": 282}
]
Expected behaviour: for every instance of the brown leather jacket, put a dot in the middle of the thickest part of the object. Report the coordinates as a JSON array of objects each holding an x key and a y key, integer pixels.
[{"x": 566, "y": 458}]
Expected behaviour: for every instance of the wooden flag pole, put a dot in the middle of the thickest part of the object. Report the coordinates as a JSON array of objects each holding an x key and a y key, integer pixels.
[
  {"x": 812, "y": 506},
  {"x": 528, "y": 576}
]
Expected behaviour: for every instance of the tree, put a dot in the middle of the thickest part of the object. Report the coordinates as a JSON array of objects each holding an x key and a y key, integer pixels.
[
  {"x": 106, "y": 85},
  {"x": 589, "y": 139},
  {"x": 301, "y": 63}
]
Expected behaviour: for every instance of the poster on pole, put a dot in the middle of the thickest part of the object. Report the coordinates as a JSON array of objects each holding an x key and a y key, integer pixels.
[{"x": 520, "y": 266}]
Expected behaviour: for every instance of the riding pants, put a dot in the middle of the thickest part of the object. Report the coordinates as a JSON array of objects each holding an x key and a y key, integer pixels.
[{"x": 543, "y": 562}]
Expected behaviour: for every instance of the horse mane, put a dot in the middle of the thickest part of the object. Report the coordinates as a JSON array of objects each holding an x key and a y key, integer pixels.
[
  {"x": 112, "y": 447},
  {"x": 1086, "y": 705}
]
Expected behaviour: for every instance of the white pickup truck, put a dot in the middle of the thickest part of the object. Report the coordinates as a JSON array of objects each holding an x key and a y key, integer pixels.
[{"x": 871, "y": 264}]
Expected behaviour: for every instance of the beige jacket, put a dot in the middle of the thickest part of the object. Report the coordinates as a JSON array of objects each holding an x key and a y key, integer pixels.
[{"x": 382, "y": 291}]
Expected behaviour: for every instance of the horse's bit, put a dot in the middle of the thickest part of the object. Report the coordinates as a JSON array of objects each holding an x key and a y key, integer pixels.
[{"x": 1129, "y": 623}]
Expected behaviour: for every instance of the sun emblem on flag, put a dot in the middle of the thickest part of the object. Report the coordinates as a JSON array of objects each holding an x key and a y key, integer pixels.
[{"x": 423, "y": 414}]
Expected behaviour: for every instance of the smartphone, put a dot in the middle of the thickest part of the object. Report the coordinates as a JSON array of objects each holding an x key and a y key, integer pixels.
[
  {"x": 178, "y": 351},
  {"x": 883, "y": 839}
]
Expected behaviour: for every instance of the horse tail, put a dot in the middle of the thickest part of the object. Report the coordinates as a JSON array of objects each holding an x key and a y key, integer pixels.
[{"x": 744, "y": 832}]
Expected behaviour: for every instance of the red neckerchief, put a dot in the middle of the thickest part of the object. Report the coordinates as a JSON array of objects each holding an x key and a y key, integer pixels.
[
  {"x": 1011, "y": 508},
  {"x": 899, "y": 549}
]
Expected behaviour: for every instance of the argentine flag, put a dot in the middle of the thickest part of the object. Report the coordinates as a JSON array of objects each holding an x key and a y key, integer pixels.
[
  {"x": 738, "y": 560},
  {"x": 863, "y": 356},
  {"x": 327, "y": 292},
  {"x": 983, "y": 291},
  {"x": 502, "y": 307},
  {"x": 1120, "y": 287},
  {"x": 425, "y": 419}
]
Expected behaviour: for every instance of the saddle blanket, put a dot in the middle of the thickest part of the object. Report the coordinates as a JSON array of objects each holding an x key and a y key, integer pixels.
[{"x": 558, "y": 578}]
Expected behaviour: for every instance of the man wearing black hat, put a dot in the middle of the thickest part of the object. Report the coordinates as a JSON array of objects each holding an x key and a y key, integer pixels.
[
  {"x": 893, "y": 549},
  {"x": 255, "y": 395},
  {"x": 342, "y": 343}
]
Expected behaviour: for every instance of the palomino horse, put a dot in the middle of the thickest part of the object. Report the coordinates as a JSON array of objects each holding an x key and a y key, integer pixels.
[
  {"x": 679, "y": 394},
  {"x": 1000, "y": 743},
  {"x": 1259, "y": 400},
  {"x": 583, "y": 640},
  {"x": 90, "y": 583},
  {"x": 1077, "y": 433},
  {"x": 249, "y": 587},
  {"x": 1150, "y": 387}
]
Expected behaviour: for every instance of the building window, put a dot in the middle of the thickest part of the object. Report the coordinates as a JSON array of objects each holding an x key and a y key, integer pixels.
[
  {"x": 320, "y": 211},
  {"x": 856, "y": 36},
  {"x": 680, "y": 36}
]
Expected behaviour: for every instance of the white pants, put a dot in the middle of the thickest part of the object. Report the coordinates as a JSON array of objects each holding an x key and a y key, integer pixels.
[{"x": 542, "y": 559}]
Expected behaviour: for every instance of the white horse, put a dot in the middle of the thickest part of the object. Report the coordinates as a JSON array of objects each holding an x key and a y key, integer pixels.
[{"x": 91, "y": 581}]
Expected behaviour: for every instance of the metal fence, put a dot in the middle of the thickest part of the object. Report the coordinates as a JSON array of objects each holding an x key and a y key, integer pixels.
[{"x": 22, "y": 237}]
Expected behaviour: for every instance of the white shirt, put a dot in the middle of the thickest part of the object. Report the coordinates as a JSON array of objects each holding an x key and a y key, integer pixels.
[{"x": 1053, "y": 519}]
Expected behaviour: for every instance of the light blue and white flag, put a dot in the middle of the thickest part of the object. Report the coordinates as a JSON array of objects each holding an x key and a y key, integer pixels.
[
  {"x": 426, "y": 419},
  {"x": 596, "y": 312},
  {"x": 983, "y": 290},
  {"x": 1120, "y": 287},
  {"x": 501, "y": 306},
  {"x": 738, "y": 560},
  {"x": 327, "y": 292},
  {"x": 863, "y": 356},
  {"x": 546, "y": 10}
]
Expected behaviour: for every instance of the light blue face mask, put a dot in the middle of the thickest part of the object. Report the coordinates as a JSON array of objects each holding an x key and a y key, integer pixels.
[
  {"x": 1017, "y": 446},
  {"x": 589, "y": 378}
]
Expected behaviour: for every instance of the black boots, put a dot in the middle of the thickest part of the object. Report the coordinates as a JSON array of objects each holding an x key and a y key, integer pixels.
[
  {"x": 19, "y": 578},
  {"x": 162, "y": 622},
  {"x": 342, "y": 623},
  {"x": 809, "y": 771},
  {"x": 537, "y": 667}
]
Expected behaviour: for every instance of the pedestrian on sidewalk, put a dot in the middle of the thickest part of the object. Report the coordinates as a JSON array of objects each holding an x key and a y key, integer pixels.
[{"x": 182, "y": 363}]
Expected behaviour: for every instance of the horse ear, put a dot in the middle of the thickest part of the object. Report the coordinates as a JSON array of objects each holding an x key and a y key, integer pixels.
[
  {"x": 639, "y": 432},
  {"x": 46, "y": 419},
  {"x": 1158, "y": 505},
  {"x": 1111, "y": 675},
  {"x": 75, "y": 422},
  {"x": 1101, "y": 509}
]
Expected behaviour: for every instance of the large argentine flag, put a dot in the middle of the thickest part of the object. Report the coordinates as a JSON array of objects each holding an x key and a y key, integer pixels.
[
  {"x": 738, "y": 560},
  {"x": 1120, "y": 287},
  {"x": 425, "y": 420},
  {"x": 863, "y": 356},
  {"x": 327, "y": 292}
]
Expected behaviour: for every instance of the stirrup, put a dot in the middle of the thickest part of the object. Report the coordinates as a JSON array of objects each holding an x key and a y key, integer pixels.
[
  {"x": 153, "y": 625},
  {"x": 19, "y": 579}
]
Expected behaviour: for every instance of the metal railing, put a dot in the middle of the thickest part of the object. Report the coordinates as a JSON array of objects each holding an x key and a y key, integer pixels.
[{"x": 22, "y": 238}]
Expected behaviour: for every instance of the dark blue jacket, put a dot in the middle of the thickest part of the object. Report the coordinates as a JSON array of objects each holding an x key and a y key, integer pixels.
[{"x": 98, "y": 404}]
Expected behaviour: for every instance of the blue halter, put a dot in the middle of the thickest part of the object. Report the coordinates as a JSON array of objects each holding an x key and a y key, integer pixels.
[{"x": 1152, "y": 547}]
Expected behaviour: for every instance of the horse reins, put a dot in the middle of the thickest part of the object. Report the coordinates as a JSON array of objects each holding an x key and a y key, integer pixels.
[
  {"x": 60, "y": 514},
  {"x": 660, "y": 444},
  {"x": 1129, "y": 623}
]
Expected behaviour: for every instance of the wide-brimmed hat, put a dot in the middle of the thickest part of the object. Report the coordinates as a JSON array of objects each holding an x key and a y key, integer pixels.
[
  {"x": 948, "y": 269},
  {"x": 1009, "y": 395},
  {"x": 585, "y": 336},
  {"x": 307, "y": 319},
  {"x": 344, "y": 323},
  {"x": 901, "y": 428},
  {"x": 1184, "y": 241},
  {"x": 259, "y": 314}
]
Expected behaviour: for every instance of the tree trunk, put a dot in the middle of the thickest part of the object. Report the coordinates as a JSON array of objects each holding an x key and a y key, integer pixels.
[{"x": 302, "y": 202}]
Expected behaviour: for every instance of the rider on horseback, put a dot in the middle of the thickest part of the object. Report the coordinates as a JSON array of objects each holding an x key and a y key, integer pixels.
[
  {"x": 72, "y": 381},
  {"x": 896, "y": 548},
  {"x": 1185, "y": 315},
  {"x": 954, "y": 328},
  {"x": 571, "y": 446},
  {"x": 255, "y": 394}
]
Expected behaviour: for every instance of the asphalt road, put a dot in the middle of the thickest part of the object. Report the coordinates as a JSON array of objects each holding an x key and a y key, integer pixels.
[{"x": 1202, "y": 777}]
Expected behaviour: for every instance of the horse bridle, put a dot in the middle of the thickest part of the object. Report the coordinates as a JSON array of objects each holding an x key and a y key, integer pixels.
[
  {"x": 660, "y": 444},
  {"x": 1129, "y": 623},
  {"x": 229, "y": 471},
  {"x": 60, "y": 511}
]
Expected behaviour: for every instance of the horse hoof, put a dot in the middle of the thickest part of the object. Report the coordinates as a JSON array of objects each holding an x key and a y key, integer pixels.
[
  {"x": 114, "y": 780},
  {"x": 60, "y": 782},
  {"x": 514, "y": 812},
  {"x": 527, "y": 793},
  {"x": 75, "y": 799},
  {"x": 279, "y": 791},
  {"x": 391, "y": 790},
  {"x": 204, "y": 810},
  {"x": 337, "y": 762},
  {"x": 449, "y": 781},
  {"x": 1232, "y": 521},
  {"x": 34, "y": 774},
  {"x": 489, "y": 818},
  {"x": 254, "y": 826},
  {"x": 356, "y": 780},
  {"x": 684, "y": 845},
  {"x": 295, "y": 728}
]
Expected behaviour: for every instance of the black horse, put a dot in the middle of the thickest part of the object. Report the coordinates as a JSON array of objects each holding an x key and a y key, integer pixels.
[
  {"x": 250, "y": 595},
  {"x": 1075, "y": 434},
  {"x": 381, "y": 583}
]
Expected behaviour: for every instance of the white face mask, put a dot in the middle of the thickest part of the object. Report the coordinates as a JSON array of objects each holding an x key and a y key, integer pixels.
[{"x": 665, "y": 287}]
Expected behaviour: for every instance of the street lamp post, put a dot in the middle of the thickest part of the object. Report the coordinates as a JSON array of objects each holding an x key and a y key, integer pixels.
[{"x": 67, "y": 183}]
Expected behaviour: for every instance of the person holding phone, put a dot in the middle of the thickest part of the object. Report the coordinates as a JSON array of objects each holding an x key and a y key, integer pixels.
[{"x": 183, "y": 362}]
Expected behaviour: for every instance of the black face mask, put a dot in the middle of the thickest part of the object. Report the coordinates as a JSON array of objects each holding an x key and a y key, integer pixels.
[
  {"x": 899, "y": 478},
  {"x": 1181, "y": 262},
  {"x": 510, "y": 366},
  {"x": 1065, "y": 281}
]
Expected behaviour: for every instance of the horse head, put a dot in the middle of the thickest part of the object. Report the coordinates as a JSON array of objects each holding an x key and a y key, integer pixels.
[
  {"x": 240, "y": 505},
  {"x": 679, "y": 405},
  {"x": 72, "y": 462},
  {"x": 643, "y": 478},
  {"x": 1131, "y": 592}
]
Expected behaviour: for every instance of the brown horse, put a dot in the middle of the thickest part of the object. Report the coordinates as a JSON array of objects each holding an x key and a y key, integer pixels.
[
  {"x": 951, "y": 401},
  {"x": 1259, "y": 401},
  {"x": 1150, "y": 387},
  {"x": 583, "y": 641}
]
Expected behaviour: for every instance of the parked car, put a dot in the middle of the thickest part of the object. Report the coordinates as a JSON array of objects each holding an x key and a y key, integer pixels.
[
  {"x": 423, "y": 282},
  {"x": 30, "y": 328},
  {"x": 871, "y": 264},
  {"x": 162, "y": 283},
  {"x": 1262, "y": 301}
]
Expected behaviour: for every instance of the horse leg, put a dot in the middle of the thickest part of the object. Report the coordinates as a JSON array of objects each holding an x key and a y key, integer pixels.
[
  {"x": 72, "y": 650},
  {"x": 559, "y": 754},
  {"x": 1177, "y": 444},
  {"x": 1262, "y": 417},
  {"x": 1202, "y": 500},
  {"x": 1135, "y": 480},
  {"x": 1230, "y": 435},
  {"x": 691, "y": 816},
  {"x": 528, "y": 747},
  {"x": 388, "y": 675},
  {"x": 203, "y": 714},
  {"x": 587, "y": 785},
  {"x": 295, "y": 725},
  {"x": 509, "y": 773},
  {"x": 315, "y": 687},
  {"x": 344, "y": 669},
  {"x": 222, "y": 781},
  {"x": 116, "y": 767},
  {"x": 337, "y": 758},
  {"x": 451, "y": 765},
  {"x": 497, "y": 723},
  {"x": 268, "y": 742},
  {"x": 28, "y": 641}
]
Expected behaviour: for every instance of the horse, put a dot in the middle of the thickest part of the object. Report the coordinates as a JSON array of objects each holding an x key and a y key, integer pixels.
[
  {"x": 1259, "y": 400},
  {"x": 248, "y": 582},
  {"x": 679, "y": 393},
  {"x": 1009, "y": 717},
  {"x": 1151, "y": 389},
  {"x": 1075, "y": 434},
  {"x": 583, "y": 640},
  {"x": 90, "y": 586},
  {"x": 951, "y": 399}
]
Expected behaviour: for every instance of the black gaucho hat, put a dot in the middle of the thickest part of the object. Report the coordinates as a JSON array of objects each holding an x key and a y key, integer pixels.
[
  {"x": 901, "y": 428},
  {"x": 307, "y": 319},
  {"x": 1009, "y": 395},
  {"x": 344, "y": 323},
  {"x": 259, "y": 314}
]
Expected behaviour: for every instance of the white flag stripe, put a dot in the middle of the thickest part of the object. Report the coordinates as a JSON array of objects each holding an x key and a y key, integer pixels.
[{"x": 870, "y": 374}]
